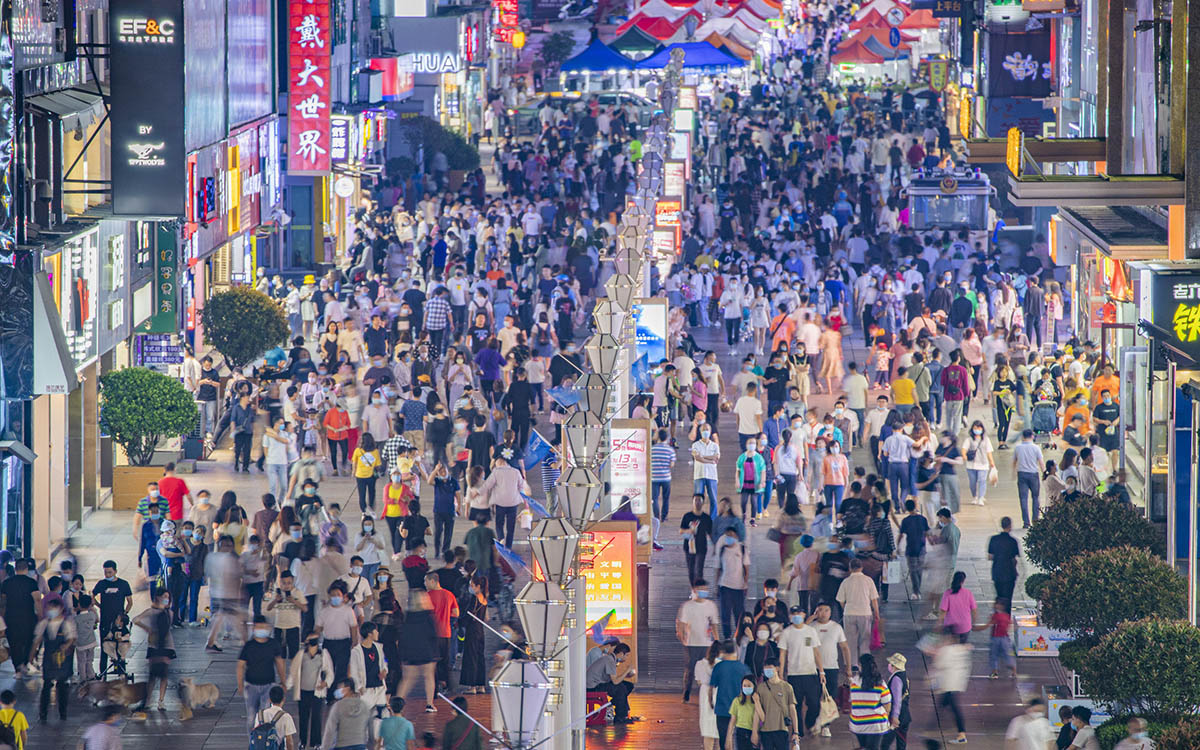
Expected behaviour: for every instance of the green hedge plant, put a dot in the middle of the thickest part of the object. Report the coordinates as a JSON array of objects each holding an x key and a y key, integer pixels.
[
  {"x": 1094, "y": 592},
  {"x": 1113, "y": 731},
  {"x": 1034, "y": 585},
  {"x": 139, "y": 408},
  {"x": 1184, "y": 735},
  {"x": 1146, "y": 667},
  {"x": 1086, "y": 525}
]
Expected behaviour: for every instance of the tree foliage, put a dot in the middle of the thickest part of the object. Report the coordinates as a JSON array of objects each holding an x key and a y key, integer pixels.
[
  {"x": 1034, "y": 584},
  {"x": 242, "y": 323},
  {"x": 1146, "y": 667},
  {"x": 1093, "y": 593},
  {"x": 424, "y": 131},
  {"x": 1114, "y": 730},
  {"x": 1068, "y": 529},
  {"x": 140, "y": 407},
  {"x": 557, "y": 48}
]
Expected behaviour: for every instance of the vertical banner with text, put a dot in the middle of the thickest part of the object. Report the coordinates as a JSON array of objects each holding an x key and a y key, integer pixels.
[
  {"x": 147, "y": 84},
  {"x": 309, "y": 51}
]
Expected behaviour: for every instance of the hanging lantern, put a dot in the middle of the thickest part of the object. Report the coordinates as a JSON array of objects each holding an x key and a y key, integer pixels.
[
  {"x": 554, "y": 543},
  {"x": 542, "y": 607},
  {"x": 519, "y": 692}
]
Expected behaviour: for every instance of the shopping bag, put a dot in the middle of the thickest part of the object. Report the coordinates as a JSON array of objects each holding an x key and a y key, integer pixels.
[
  {"x": 525, "y": 519},
  {"x": 876, "y": 636},
  {"x": 894, "y": 572},
  {"x": 843, "y": 698},
  {"x": 829, "y": 708}
]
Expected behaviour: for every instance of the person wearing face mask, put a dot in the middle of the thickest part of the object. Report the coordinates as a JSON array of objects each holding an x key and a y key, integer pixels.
[
  {"x": 1032, "y": 731},
  {"x": 349, "y": 724},
  {"x": 259, "y": 663},
  {"x": 608, "y": 675},
  {"x": 57, "y": 633},
  {"x": 358, "y": 585},
  {"x": 751, "y": 479},
  {"x": 706, "y": 454},
  {"x": 835, "y": 472},
  {"x": 760, "y": 650},
  {"x": 152, "y": 504},
  {"x": 338, "y": 625},
  {"x": 980, "y": 462},
  {"x": 778, "y": 724},
  {"x": 696, "y": 627},
  {"x": 112, "y": 593},
  {"x": 148, "y": 535},
  {"x": 369, "y": 666}
]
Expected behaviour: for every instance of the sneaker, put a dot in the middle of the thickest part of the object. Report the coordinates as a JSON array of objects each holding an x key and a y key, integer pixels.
[
  {"x": 213, "y": 648},
  {"x": 914, "y": 597},
  {"x": 429, "y": 709},
  {"x": 993, "y": 676},
  {"x": 825, "y": 732}
]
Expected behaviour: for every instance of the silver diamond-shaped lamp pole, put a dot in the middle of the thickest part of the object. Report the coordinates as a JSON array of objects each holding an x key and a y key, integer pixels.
[
  {"x": 579, "y": 490},
  {"x": 519, "y": 692},
  {"x": 542, "y": 607},
  {"x": 595, "y": 389},
  {"x": 602, "y": 351},
  {"x": 622, "y": 290},
  {"x": 554, "y": 543},
  {"x": 583, "y": 432}
]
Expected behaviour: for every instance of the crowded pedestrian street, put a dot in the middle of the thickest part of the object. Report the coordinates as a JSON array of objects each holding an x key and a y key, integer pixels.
[{"x": 732, "y": 374}]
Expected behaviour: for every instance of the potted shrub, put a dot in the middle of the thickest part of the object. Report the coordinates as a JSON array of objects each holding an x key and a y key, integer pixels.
[
  {"x": 1093, "y": 593},
  {"x": 1146, "y": 668},
  {"x": 1069, "y": 529},
  {"x": 140, "y": 408},
  {"x": 242, "y": 323}
]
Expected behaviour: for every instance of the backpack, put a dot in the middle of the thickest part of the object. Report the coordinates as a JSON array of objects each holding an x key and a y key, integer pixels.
[
  {"x": 264, "y": 736},
  {"x": 543, "y": 337},
  {"x": 8, "y": 735}
]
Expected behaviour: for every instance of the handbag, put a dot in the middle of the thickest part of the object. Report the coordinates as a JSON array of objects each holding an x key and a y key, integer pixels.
[
  {"x": 773, "y": 535},
  {"x": 876, "y": 636},
  {"x": 893, "y": 572},
  {"x": 829, "y": 709},
  {"x": 843, "y": 698}
]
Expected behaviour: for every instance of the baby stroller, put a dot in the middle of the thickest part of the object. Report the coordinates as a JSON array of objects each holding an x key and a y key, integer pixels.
[
  {"x": 1043, "y": 420},
  {"x": 115, "y": 645}
]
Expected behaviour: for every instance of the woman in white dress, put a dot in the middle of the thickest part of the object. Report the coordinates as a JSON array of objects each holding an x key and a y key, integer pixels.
[
  {"x": 708, "y": 718},
  {"x": 760, "y": 319},
  {"x": 707, "y": 214}
]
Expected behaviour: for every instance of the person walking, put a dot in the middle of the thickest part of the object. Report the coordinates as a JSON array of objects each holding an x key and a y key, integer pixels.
[
  {"x": 870, "y": 705},
  {"x": 733, "y": 579},
  {"x": 56, "y": 633},
  {"x": 259, "y": 664},
  {"x": 364, "y": 463},
  {"x": 1004, "y": 552},
  {"x": 724, "y": 686},
  {"x": 369, "y": 666},
  {"x": 349, "y": 725},
  {"x": 696, "y": 625},
  {"x": 800, "y": 655},
  {"x": 309, "y": 678},
  {"x": 280, "y": 721},
  {"x": 504, "y": 489},
  {"x": 241, "y": 422},
  {"x": 951, "y": 670},
  {"x": 473, "y": 674},
  {"x": 1032, "y": 731},
  {"x": 980, "y": 463},
  {"x": 899, "y": 716},
  {"x": 1029, "y": 465},
  {"x": 706, "y": 454},
  {"x": 778, "y": 723},
  {"x": 860, "y": 609},
  {"x": 956, "y": 384},
  {"x": 104, "y": 734},
  {"x": 956, "y": 612},
  {"x": 115, "y": 598}
]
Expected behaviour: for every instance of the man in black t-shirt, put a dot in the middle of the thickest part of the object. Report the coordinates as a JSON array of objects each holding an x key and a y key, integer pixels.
[
  {"x": 375, "y": 338},
  {"x": 21, "y": 599},
  {"x": 913, "y": 529},
  {"x": 776, "y": 379},
  {"x": 115, "y": 597},
  {"x": 259, "y": 663},
  {"x": 206, "y": 395},
  {"x": 696, "y": 528},
  {"x": 1004, "y": 551},
  {"x": 480, "y": 443}
]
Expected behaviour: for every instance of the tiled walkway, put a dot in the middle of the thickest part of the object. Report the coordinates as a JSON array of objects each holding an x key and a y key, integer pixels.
[{"x": 988, "y": 704}]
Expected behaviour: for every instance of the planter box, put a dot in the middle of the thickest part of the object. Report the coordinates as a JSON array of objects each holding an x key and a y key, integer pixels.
[{"x": 129, "y": 484}]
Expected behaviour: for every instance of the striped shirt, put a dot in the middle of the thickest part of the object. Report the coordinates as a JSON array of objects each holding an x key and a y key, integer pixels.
[
  {"x": 869, "y": 709},
  {"x": 662, "y": 459},
  {"x": 550, "y": 474}
]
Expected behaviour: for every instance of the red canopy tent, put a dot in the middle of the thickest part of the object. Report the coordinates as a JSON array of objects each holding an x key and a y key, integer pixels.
[
  {"x": 920, "y": 19},
  {"x": 853, "y": 51},
  {"x": 872, "y": 20}
]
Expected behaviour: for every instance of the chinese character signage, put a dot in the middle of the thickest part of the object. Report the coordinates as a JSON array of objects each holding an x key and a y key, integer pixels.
[
  {"x": 675, "y": 177},
  {"x": 666, "y": 212},
  {"x": 629, "y": 448},
  {"x": 339, "y": 139},
  {"x": 508, "y": 19},
  {"x": 309, "y": 81},
  {"x": 610, "y": 569},
  {"x": 1175, "y": 308},
  {"x": 1019, "y": 64},
  {"x": 943, "y": 8},
  {"x": 148, "y": 155},
  {"x": 166, "y": 283}
]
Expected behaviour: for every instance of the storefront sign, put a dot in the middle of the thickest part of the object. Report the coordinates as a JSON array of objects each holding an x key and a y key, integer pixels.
[
  {"x": 675, "y": 178},
  {"x": 166, "y": 283},
  {"x": 650, "y": 321},
  {"x": 268, "y": 155},
  {"x": 629, "y": 459},
  {"x": 309, "y": 80},
  {"x": 339, "y": 139},
  {"x": 343, "y": 187},
  {"x": 147, "y": 115},
  {"x": 1173, "y": 305},
  {"x": 688, "y": 98},
  {"x": 398, "y": 81},
  {"x": 8, "y": 125},
  {"x": 608, "y": 559},
  {"x": 80, "y": 294},
  {"x": 437, "y": 62},
  {"x": 1019, "y": 64},
  {"x": 666, "y": 212},
  {"x": 684, "y": 120},
  {"x": 663, "y": 242},
  {"x": 939, "y": 71}
]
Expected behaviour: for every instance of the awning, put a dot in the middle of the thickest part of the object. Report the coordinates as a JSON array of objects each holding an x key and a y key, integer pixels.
[
  {"x": 53, "y": 367},
  {"x": 74, "y": 107},
  {"x": 1122, "y": 232}
]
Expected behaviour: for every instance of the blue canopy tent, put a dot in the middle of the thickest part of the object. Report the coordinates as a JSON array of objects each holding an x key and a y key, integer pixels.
[
  {"x": 698, "y": 57},
  {"x": 597, "y": 58}
]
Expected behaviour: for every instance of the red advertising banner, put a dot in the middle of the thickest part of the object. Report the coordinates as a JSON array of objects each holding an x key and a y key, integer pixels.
[{"x": 309, "y": 50}]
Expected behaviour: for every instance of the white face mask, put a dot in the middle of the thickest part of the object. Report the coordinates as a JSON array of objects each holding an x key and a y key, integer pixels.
[{"x": 763, "y": 635}]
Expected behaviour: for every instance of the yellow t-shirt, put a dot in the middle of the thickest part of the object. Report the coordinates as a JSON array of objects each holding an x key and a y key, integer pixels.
[
  {"x": 903, "y": 390},
  {"x": 742, "y": 714},
  {"x": 14, "y": 719},
  {"x": 393, "y": 501},
  {"x": 364, "y": 463}
]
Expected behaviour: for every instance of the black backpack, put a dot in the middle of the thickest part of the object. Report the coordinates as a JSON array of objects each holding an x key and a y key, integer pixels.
[{"x": 264, "y": 736}]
